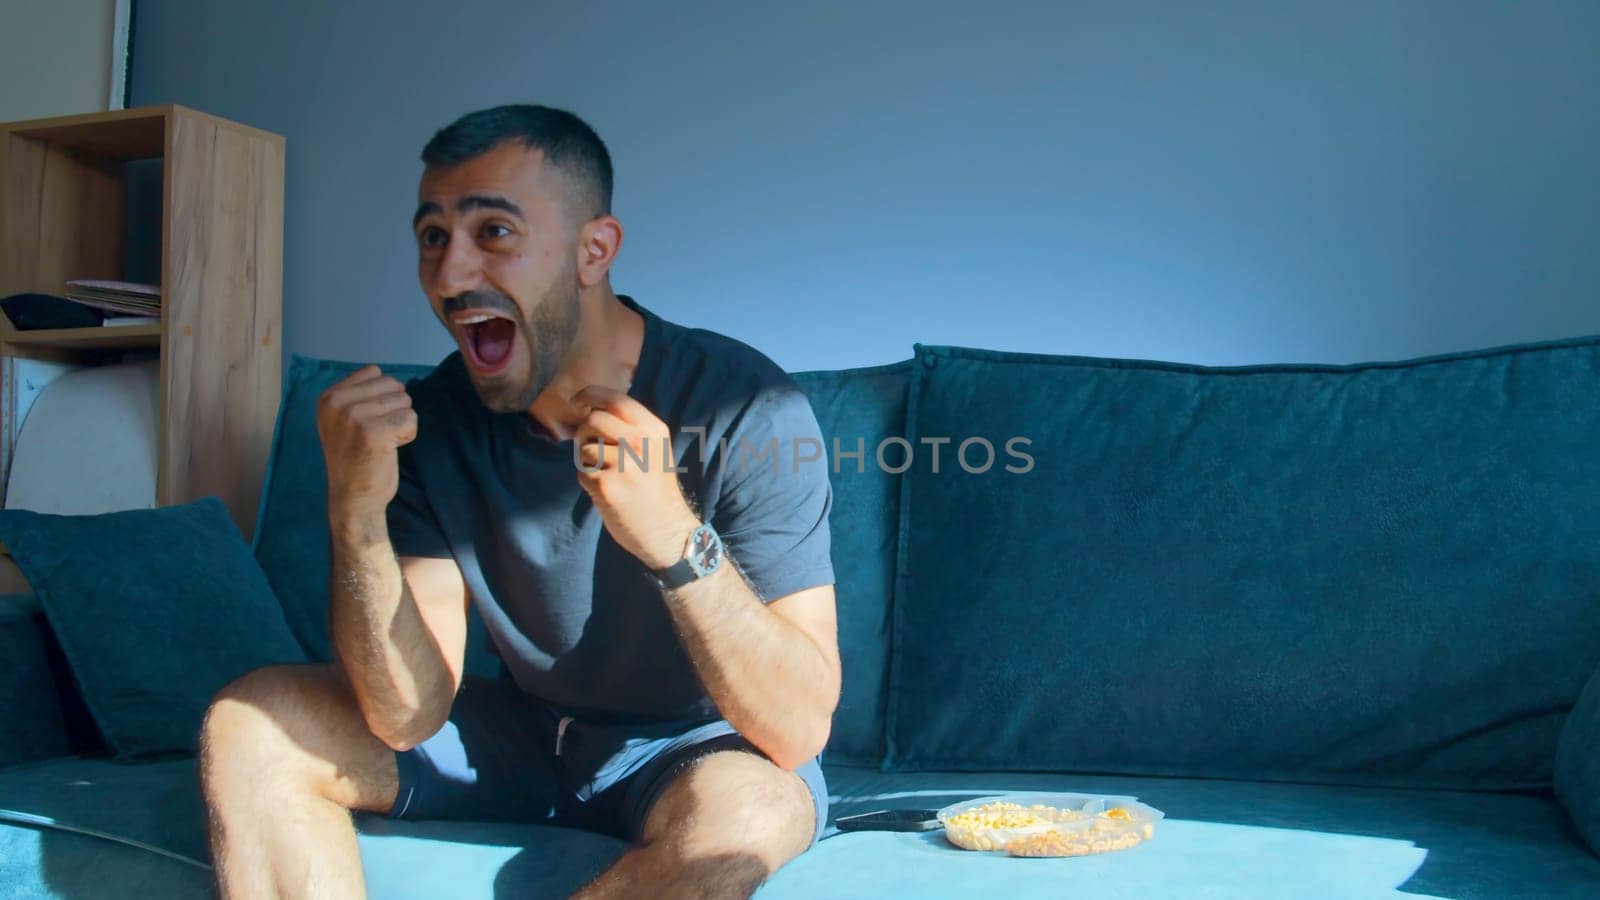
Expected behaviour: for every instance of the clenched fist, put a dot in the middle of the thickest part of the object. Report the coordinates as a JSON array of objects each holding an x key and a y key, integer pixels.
[
  {"x": 642, "y": 505},
  {"x": 362, "y": 421}
]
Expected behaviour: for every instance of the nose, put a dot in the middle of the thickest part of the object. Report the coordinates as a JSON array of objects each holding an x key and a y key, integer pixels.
[{"x": 460, "y": 269}]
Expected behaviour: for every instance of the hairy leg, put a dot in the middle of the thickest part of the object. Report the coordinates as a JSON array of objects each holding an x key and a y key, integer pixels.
[{"x": 284, "y": 755}]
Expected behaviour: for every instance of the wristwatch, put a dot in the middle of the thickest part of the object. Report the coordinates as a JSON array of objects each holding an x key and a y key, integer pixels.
[{"x": 701, "y": 557}]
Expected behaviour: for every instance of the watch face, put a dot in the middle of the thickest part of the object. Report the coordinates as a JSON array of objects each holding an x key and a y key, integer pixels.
[{"x": 705, "y": 550}]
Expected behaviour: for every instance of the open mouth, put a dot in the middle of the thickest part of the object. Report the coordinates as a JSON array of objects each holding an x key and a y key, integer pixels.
[{"x": 487, "y": 339}]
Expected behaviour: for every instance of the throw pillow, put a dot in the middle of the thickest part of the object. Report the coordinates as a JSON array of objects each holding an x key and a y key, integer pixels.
[{"x": 155, "y": 609}]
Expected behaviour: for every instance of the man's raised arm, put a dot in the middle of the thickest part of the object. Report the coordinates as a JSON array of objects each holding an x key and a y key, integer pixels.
[{"x": 398, "y": 627}]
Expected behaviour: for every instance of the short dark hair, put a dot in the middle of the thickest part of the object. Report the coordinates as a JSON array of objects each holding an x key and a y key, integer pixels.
[{"x": 568, "y": 144}]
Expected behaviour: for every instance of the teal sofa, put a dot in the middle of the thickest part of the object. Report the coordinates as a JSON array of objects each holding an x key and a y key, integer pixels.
[{"x": 1340, "y": 623}]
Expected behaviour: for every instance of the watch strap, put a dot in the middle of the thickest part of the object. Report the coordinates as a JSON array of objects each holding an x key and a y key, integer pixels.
[
  {"x": 676, "y": 575},
  {"x": 686, "y": 570}
]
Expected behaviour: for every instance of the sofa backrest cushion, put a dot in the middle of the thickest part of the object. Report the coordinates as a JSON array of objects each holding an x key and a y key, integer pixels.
[
  {"x": 291, "y": 536},
  {"x": 1384, "y": 573},
  {"x": 1577, "y": 775},
  {"x": 40, "y": 704},
  {"x": 856, "y": 410}
]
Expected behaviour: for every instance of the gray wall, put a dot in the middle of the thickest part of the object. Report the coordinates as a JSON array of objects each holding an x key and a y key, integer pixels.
[
  {"x": 1222, "y": 182},
  {"x": 56, "y": 57}
]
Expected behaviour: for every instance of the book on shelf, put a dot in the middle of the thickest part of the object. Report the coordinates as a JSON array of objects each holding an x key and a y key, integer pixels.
[{"x": 120, "y": 298}]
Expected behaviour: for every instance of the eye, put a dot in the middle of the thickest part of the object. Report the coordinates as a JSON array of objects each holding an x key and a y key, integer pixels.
[
  {"x": 495, "y": 230},
  {"x": 432, "y": 237}
]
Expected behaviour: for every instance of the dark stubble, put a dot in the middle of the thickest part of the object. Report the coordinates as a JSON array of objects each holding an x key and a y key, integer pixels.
[{"x": 548, "y": 332}]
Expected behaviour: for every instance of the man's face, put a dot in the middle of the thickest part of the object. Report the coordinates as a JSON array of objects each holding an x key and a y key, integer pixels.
[{"x": 497, "y": 259}]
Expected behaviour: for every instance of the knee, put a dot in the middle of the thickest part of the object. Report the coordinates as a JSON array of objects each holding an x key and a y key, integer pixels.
[
  {"x": 244, "y": 732},
  {"x": 740, "y": 802},
  {"x": 775, "y": 807}
]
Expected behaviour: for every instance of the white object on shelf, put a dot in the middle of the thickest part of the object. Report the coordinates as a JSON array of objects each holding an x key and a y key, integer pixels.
[
  {"x": 89, "y": 444},
  {"x": 28, "y": 379}
]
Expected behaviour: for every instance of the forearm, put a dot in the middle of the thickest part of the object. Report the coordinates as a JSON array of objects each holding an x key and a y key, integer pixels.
[
  {"x": 768, "y": 678},
  {"x": 397, "y": 672}
]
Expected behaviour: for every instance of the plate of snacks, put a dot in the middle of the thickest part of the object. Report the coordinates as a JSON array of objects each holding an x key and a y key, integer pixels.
[{"x": 1049, "y": 824}]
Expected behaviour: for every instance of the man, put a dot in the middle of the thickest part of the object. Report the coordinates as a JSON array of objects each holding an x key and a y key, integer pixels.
[{"x": 601, "y": 484}]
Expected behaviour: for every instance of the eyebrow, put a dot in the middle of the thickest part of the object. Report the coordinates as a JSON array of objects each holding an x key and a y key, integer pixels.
[{"x": 468, "y": 204}]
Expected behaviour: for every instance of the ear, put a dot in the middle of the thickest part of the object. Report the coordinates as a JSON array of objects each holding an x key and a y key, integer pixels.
[{"x": 599, "y": 240}]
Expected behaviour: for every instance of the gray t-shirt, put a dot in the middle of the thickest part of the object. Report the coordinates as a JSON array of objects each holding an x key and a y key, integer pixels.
[{"x": 575, "y": 618}]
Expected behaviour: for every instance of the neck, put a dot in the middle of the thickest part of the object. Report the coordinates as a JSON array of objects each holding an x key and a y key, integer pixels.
[{"x": 604, "y": 352}]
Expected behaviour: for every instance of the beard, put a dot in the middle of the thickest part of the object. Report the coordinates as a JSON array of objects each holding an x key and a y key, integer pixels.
[{"x": 547, "y": 333}]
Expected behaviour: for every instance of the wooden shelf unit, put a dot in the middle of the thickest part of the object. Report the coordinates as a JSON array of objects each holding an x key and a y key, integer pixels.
[
  {"x": 120, "y": 337},
  {"x": 63, "y": 189}
]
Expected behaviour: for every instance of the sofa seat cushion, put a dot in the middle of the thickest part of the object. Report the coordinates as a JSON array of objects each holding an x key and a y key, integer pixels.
[
  {"x": 1219, "y": 839},
  {"x": 158, "y": 805},
  {"x": 428, "y": 860},
  {"x": 155, "y": 803},
  {"x": 42, "y": 862}
]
